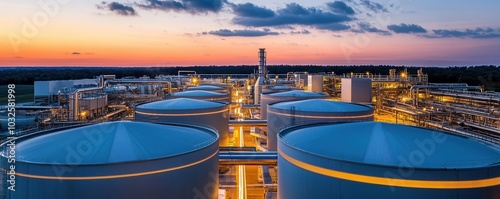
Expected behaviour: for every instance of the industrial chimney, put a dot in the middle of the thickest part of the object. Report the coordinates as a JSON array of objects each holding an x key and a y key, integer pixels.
[{"x": 261, "y": 80}]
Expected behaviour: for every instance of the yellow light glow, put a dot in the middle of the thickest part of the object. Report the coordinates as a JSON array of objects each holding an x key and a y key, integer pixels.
[
  {"x": 463, "y": 184},
  {"x": 113, "y": 176}
]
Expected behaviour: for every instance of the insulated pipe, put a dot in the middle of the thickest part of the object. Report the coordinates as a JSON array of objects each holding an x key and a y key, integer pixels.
[
  {"x": 251, "y": 123},
  {"x": 248, "y": 158}
]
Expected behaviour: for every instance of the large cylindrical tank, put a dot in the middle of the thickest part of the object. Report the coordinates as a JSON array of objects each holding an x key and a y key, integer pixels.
[
  {"x": 202, "y": 95},
  {"x": 208, "y": 88},
  {"x": 285, "y": 114},
  {"x": 115, "y": 160},
  {"x": 381, "y": 160},
  {"x": 294, "y": 95},
  {"x": 187, "y": 111},
  {"x": 277, "y": 89}
]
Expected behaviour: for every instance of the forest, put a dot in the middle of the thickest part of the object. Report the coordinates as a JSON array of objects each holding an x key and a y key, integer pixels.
[{"x": 487, "y": 76}]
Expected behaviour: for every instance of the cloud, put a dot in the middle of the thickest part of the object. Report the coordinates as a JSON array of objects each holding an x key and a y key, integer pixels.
[
  {"x": 294, "y": 9},
  {"x": 367, "y": 27},
  {"x": 117, "y": 8},
  {"x": 373, "y": 6},
  {"x": 406, "y": 28},
  {"x": 189, "y": 6},
  {"x": 333, "y": 27},
  {"x": 251, "y": 10},
  {"x": 303, "y": 32},
  {"x": 340, "y": 7},
  {"x": 241, "y": 33},
  {"x": 478, "y": 33},
  {"x": 75, "y": 53},
  {"x": 293, "y": 14}
]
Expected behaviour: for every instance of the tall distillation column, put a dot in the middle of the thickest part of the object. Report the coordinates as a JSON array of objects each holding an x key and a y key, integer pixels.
[{"x": 261, "y": 80}]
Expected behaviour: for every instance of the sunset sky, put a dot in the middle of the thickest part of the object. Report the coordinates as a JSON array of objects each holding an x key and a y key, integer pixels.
[{"x": 229, "y": 32}]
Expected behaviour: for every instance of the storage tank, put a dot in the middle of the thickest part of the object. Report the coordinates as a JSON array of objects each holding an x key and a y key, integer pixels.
[
  {"x": 285, "y": 114},
  {"x": 227, "y": 87},
  {"x": 277, "y": 89},
  {"x": 208, "y": 88},
  {"x": 381, "y": 160},
  {"x": 286, "y": 96},
  {"x": 201, "y": 95},
  {"x": 187, "y": 111},
  {"x": 115, "y": 160}
]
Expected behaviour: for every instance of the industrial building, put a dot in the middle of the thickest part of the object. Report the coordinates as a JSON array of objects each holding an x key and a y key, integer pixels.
[
  {"x": 187, "y": 111},
  {"x": 285, "y": 114},
  {"x": 255, "y": 136}
]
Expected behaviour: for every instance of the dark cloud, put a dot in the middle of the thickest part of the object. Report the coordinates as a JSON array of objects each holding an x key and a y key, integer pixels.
[
  {"x": 190, "y": 6},
  {"x": 251, "y": 10},
  {"x": 293, "y": 14},
  {"x": 367, "y": 27},
  {"x": 75, "y": 53},
  {"x": 373, "y": 6},
  {"x": 333, "y": 27},
  {"x": 295, "y": 9},
  {"x": 283, "y": 20},
  {"x": 340, "y": 7},
  {"x": 406, "y": 28},
  {"x": 241, "y": 33},
  {"x": 303, "y": 32},
  {"x": 478, "y": 33},
  {"x": 117, "y": 8}
]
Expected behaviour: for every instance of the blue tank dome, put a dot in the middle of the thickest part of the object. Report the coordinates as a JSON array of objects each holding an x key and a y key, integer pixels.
[
  {"x": 180, "y": 104},
  {"x": 114, "y": 142},
  {"x": 205, "y": 87},
  {"x": 296, "y": 93}
]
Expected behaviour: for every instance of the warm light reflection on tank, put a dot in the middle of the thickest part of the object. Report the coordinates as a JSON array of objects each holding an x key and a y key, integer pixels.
[
  {"x": 429, "y": 184},
  {"x": 113, "y": 176}
]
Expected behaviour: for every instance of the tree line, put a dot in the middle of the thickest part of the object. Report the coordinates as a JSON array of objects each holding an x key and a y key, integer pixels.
[{"x": 487, "y": 76}]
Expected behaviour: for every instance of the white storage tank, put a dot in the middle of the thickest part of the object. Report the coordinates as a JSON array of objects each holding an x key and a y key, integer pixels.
[
  {"x": 381, "y": 160},
  {"x": 125, "y": 159},
  {"x": 209, "y": 88},
  {"x": 286, "y": 96},
  {"x": 286, "y": 114},
  {"x": 187, "y": 111}
]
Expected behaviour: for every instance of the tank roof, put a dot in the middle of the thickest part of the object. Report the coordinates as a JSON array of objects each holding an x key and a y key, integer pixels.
[
  {"x": 321, "y": 105},
  {"x": 385, "y": 144},
  {"x": 296, "y": 93},
  {"x": 205, "y": 87},
  {"x": 114, "y": 142},
  {"x": 196, "y": 93},
  {"x": 180, "y": 104}
]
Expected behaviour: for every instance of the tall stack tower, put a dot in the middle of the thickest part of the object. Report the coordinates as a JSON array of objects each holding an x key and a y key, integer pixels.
[{"x": 262, "y": 79}]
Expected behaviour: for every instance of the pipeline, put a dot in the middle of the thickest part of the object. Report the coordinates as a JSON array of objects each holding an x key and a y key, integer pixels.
[{"x": 248, "y": 158}]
